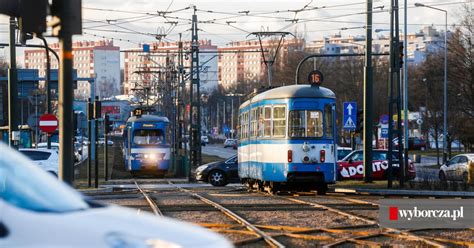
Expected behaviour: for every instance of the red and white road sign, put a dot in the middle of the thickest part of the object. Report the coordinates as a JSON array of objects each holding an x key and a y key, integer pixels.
[{"x": 48, "y": 123}]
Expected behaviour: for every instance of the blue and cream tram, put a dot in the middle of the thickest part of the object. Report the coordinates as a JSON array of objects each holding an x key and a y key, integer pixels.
[
  {"x": 288, "y": 139},
  {"x": 145, "y": 145}
]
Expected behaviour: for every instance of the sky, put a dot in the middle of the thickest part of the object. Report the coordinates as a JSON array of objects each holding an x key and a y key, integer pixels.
[{"x": 131, "y": 22}]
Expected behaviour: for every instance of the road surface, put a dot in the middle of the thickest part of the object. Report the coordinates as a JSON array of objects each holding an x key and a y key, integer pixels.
[{"x": 218, "y": 150}]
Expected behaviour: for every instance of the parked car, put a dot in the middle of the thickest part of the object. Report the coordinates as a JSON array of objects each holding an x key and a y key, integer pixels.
[
  {"x": 342, "y": 152},
  {"x": 47, "y": 160},
  {"x": 34, "y": 206},
  {"x": 352, "y": 166},
  {"x": 456, "y": 169},
  {"x": 229, "y": 142},
  {"x": 219, "y": 173},
  {"x": 204, "y": 140},
  {"x": 414, "y": 143},
  {"x": 44, "y": 145}
]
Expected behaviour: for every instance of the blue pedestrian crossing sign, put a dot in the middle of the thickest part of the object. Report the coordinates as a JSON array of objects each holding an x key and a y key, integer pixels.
[{"x": 350, "y": 115}]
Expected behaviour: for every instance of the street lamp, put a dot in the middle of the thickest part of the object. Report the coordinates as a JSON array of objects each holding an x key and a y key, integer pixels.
[{"x": 445, "y": 94}]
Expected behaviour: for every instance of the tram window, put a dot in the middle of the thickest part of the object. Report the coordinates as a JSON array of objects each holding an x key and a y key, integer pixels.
[
  {"x": 329, "y": 120},
  {"x": 148, "y": 137},
  {"x": 253, "y": 122},
  {"x": 267, "y": 122},
  {"x": 314, "y": 123},
  {"x": 296, "y": 123},
  {"x": 279, "y": 121},
  {"x": 246, "y": 125},
  {"x": 260, "y": 121}
]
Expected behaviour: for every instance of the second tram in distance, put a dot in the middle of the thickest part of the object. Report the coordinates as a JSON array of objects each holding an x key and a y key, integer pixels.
[
  {"x": 288, "y": 139},
  {"x": 145, "y": 145}
]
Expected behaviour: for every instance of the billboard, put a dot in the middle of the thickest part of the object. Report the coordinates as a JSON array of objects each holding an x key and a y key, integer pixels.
[{"x": 107, "y": 69}]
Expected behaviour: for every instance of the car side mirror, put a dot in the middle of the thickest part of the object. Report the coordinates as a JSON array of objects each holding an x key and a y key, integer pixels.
[{"x": 350, "y": 161}]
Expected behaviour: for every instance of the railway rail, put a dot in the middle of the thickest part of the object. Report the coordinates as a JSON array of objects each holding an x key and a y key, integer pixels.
[{"x": 249, "y": 216}]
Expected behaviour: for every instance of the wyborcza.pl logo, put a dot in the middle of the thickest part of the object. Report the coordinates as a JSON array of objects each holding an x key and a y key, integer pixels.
[
  {"x": 409, "y": 214},
  {"x": 421, "y": 213}
]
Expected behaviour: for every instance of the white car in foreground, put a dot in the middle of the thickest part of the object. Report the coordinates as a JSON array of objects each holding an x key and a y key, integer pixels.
[
  {"x": 36, "y": 210},
  {"x": 47, "y": 160}
]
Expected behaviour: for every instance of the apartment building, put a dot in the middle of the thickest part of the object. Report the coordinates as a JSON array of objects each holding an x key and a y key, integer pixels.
[
  {"x": 243, "y": 60},
  {"x": 99, "y": 59},
  {"x": 142, "y": 68}
]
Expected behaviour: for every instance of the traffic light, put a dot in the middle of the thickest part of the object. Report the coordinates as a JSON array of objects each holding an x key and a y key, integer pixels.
[
  {"x": 400, "y": 54},
  {"x": 31, "y": 14},
  {"x": 97, "y": 109},
  {"x": 360, "y": 121},
  {"x": 108, "y": 125}
]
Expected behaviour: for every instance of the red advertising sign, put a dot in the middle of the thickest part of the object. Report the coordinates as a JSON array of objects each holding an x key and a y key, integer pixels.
[{"x": 110, "y": 110}]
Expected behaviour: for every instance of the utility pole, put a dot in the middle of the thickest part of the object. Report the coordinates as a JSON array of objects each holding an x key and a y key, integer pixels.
[
  {"x": 405, "y": 87},
  {"x": 12, "y": 89},
  {"x": 47, "y": 85},
  {"x": 70, "y": 22},
  {"x": 394, "y": 88},
  {"x": 195, "y": 98},
  {"x": 368, "y": 98}
]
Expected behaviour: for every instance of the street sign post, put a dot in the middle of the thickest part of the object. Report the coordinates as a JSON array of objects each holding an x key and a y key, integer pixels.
[
  {"x": 350, "y": 115},
  {"x": 48, "y": 123}
]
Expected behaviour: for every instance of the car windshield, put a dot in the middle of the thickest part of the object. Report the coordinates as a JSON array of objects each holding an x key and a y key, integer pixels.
[
  {"x": 36, "y": 155},
  {"x": 342, "y": 153},
  {"x": 24, "y": 185},
  {"x": 148, "y": 137}
]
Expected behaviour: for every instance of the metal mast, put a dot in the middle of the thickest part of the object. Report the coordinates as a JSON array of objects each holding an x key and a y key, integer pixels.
[
  {"x": 195, "y": 103},
  {"x": 394, "y": 96}
]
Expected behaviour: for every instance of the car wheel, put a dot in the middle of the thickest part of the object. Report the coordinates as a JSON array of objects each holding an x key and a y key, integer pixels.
[
  {"x": 442, "y": 176},
  {"x": 465, "y": 177},
  {"x": 217, "y": 178}
]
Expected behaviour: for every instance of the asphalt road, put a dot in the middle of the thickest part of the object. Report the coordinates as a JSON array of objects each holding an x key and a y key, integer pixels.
[{"x": 218, "y": 150}]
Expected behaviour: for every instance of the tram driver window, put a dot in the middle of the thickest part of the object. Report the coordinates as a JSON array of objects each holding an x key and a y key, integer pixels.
[
  {"x": 314, "y": 124},
  {"x": 296, "y": 124},
  {"x": 148, "y": 137}
]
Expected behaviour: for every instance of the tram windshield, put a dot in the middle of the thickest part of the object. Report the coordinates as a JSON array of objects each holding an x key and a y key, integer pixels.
[
  {"x": 148, "y": 137},
  {"x": 306, "y": 123}
]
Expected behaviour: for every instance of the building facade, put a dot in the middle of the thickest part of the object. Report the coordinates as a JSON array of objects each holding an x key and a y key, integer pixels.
[
  {"x": 420, "y": 44},
  {"x": 243, "y": 60},
  {"x": 99, "y": 59},
  {"x": 142, "y": 69}
]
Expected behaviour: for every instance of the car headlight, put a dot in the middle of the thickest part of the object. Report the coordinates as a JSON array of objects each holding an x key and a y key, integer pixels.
[
  {"x": 120, "y": 240},
  {"x": 201, "y": 168}
]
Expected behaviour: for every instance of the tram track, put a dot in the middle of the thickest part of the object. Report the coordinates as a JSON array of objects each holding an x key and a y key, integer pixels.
[
  {"x": 267, "y": 238},
  {"x": 257, "y": 218},
  {"x": 394, "y": 233}
]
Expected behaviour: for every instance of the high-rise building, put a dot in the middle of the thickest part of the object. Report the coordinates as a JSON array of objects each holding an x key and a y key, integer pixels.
[
  {"x": 420, "y": 44},
  {"x": 243, "y": 60},
  {"x": 143, "y": 68},
  {"x": 99, "y": 59}
]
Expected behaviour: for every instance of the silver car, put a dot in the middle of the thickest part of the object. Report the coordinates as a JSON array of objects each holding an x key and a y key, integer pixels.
[{"x": 456, "y": 169}]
